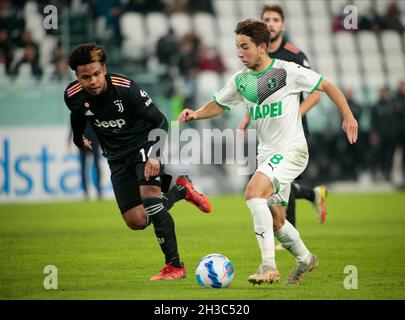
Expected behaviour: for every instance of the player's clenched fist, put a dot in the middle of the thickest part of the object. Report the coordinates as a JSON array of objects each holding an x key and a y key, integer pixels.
[{"x": 187, "y": 115}]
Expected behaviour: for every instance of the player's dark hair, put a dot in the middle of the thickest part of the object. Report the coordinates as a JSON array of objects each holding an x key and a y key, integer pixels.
[
  {"x": 255, "y": 29},
  {"x": 273, "y": 8},
  {"x": 86, "y": 53}
]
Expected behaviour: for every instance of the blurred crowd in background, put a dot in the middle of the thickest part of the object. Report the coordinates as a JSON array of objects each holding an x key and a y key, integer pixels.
[{"x": 176, "y": 60}]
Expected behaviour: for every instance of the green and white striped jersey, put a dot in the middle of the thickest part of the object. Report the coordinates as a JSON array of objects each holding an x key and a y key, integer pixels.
[{"x": 272, "y": 100}]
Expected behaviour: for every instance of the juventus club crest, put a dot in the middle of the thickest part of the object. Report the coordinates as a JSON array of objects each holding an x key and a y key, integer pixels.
[{"x": 118, "y": 103}]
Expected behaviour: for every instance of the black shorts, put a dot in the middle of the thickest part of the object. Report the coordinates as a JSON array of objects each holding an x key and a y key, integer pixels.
[{"x": 127, "y": 175}]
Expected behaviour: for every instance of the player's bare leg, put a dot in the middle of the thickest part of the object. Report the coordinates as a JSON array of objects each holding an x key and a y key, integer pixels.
[{"x": 136, "y": 218}]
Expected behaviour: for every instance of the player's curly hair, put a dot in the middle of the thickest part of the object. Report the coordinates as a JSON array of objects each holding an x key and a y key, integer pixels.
[
  {"x": 255, "y": 29},
  {"x": 87, "y": 53}
]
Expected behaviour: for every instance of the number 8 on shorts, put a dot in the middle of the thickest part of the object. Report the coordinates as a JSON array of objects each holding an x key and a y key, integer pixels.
[{"x": 275, "y": 159}]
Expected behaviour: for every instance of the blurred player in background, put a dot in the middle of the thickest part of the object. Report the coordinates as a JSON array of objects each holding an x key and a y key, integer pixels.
[
  {"x": 273, "y": 16},
  {"x": 122, "y": 116},
  {"x": 270, "y": 89},
  {"x": 95, "y": 153}
]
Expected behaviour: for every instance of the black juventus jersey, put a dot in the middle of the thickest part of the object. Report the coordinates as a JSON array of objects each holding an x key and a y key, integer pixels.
[
  {"x": 122, "y": 116},
  {"x": 288, "y": 52}
]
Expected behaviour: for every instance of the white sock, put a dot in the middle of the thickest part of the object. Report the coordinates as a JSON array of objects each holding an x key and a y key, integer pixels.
[
  {"x": 289, "y": 238},
  {"x": 263, "y": 226}
]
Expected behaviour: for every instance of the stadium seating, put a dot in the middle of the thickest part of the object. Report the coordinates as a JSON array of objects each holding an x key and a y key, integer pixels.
[
  {"x": 208, "y": 82},
  {"x": 30, "y": 9},
  {"x": 34, "y": 23},
  {"x": 395, "y": 67},
  {"x": 297, "y": 26},
  {"x": 381, "y": 6},
  {"x": 226, "y": 27},
  {"x": 368, "y": 42},
  {"x": 345, "y": 43},
  {"x": 323, "y": 66},
  {"x": 225, "y": 8},
  {"x": 322, "y": 46},
  {"x": 391, "y": 41},
  {"x": 157, "y": 26},
  {"x": 47, "y": 45},
  {"x": 248, "y": 9},
  {"x": 181, "y": 23},
  {"x": 321, "y": 25},
  {"x": 295, "y": 8},
  {"x": 336, "y": 6},
  {"x": 362, "y": 5},
  {"x": 205, "y": 26},
  {"x": 134, "y": 42},
  {"x": 365, "y": 59},
  {"x": 300, "y": 42},
  {"x": 317, "y": 8}
]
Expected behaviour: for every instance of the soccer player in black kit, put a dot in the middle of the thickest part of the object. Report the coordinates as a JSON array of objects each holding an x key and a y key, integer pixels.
[
  {"x": 122, "y": 116},
  {"x": 273, "y": 16}
]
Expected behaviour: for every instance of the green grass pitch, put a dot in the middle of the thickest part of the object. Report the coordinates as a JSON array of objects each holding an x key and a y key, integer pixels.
[{"x": 98, "y": 257}]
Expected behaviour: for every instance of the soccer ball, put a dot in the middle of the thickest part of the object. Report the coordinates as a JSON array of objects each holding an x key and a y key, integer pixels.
[{"x": 214, "y": 271}]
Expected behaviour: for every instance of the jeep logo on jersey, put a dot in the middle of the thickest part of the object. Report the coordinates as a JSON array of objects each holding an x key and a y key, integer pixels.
[
  {"x": 118, "y": 103},
  {"x": 263, "y": 111},
  {"x": 272, "y": 84},
  {"x": 110, "y": 124}
]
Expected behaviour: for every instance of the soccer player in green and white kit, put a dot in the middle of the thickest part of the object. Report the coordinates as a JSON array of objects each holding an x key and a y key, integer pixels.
[
  {"x": 270, "y": 90},
  {"x": 279, "y": 48}
]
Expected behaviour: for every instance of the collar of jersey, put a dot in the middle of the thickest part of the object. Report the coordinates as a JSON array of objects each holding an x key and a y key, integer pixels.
[{"x": 265, "y": 70}]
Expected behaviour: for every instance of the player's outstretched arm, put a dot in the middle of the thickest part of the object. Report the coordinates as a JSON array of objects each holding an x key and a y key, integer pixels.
[
  {"x": 309, "y": 102},
  {"x": 349, "y": 125},
  {"x": 208, "y": 110}
]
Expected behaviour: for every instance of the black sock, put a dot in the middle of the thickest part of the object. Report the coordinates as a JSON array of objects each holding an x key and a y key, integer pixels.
[
  {"x": 164, "y": 229},
  {"x": 303, "y": 192},
  {"x": 176, "y": 193},
  {"x": 290, "y": 215}
]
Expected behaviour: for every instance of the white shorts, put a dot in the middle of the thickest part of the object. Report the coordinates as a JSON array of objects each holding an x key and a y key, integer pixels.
[{"x": 282, "y": 168}]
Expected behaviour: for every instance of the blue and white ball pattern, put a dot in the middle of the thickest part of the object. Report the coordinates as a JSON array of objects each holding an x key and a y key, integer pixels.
[{"x": 214, "y": 271}]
